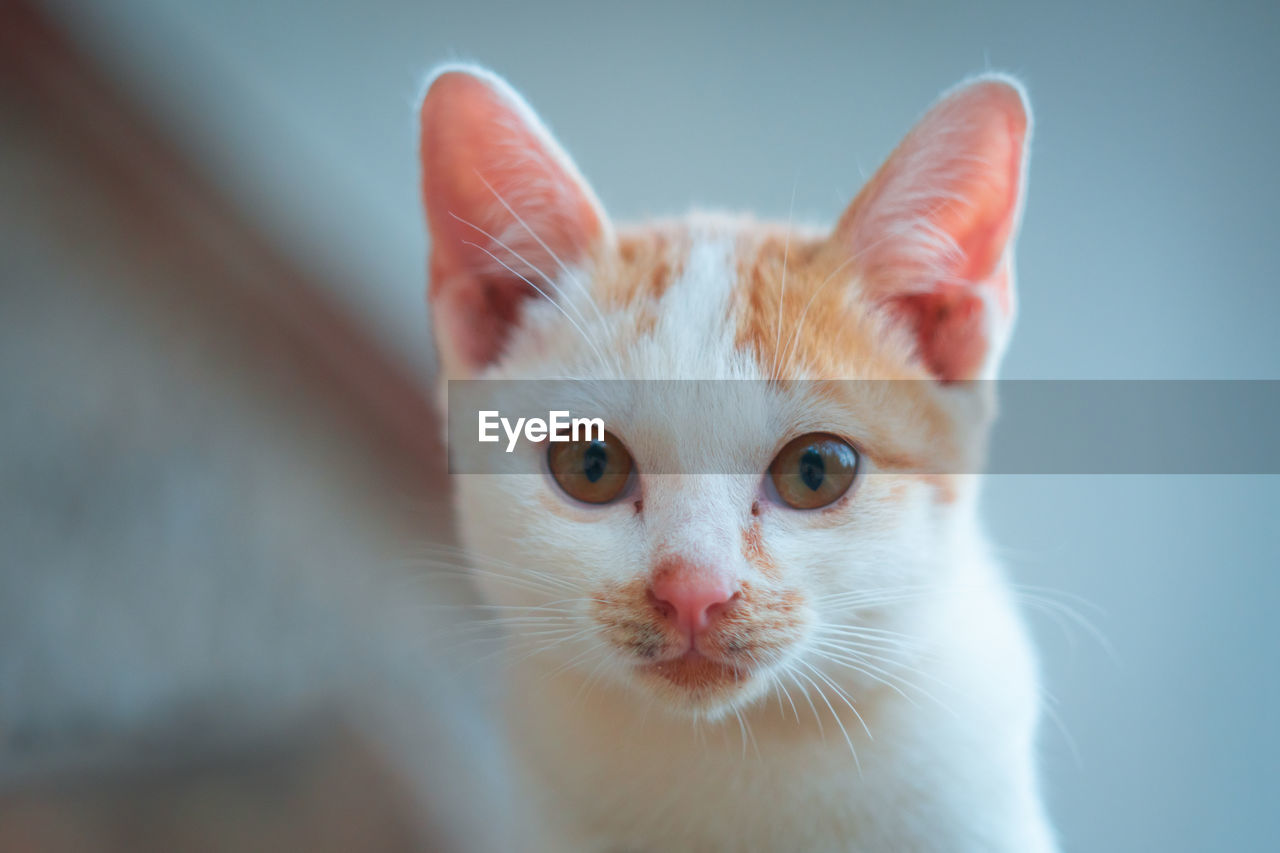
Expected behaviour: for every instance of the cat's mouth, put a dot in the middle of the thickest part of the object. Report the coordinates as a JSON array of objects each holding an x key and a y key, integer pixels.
[
  {"x": 696, "y": 675},
  {"x": 702, "y": 668}
]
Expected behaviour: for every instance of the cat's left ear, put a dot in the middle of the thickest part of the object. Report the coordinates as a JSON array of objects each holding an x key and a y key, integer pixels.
[{"x": 932, "y": 233}]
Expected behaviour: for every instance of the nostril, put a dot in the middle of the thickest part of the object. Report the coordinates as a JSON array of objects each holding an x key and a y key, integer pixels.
[
  {"x": 665, "y": 609},
  {"x": 719, "y": 608},
  {"x": 727, "y": 604}
]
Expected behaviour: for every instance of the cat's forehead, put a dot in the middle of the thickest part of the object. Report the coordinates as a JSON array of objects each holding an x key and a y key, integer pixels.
[{"x": 721, "y": 297}]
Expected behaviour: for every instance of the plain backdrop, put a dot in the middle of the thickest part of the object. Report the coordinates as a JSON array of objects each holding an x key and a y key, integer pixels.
[{"x": 1149, "y": 250}]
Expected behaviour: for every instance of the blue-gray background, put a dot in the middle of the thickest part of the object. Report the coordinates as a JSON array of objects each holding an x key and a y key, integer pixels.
[{"x": 1148, "y": 251}]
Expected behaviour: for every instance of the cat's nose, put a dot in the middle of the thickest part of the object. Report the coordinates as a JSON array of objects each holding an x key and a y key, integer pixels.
[{"x": 691, "y": 598}]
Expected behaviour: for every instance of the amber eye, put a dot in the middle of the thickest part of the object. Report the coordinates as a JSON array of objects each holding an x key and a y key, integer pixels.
[
  {"x": 595, "y": 472},
  {"x": 814, "y": 470}
]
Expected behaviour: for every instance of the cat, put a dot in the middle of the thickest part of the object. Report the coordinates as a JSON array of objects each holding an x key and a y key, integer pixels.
[{"x": 823, "y": 655}]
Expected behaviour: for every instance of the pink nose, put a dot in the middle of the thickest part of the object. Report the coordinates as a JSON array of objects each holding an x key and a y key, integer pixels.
[{"x": 690, "y": 597}]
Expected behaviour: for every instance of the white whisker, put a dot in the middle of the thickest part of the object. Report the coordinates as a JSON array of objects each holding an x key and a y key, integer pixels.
[
  {"x": 782, "y": 291},
  {"x": 544, "y": 295},
  {"x": 791, "y": 670},
  {"x": 563, "y": 267},
  {"x": 841, "y": 693},
  {"x": 843, "y": 731}
]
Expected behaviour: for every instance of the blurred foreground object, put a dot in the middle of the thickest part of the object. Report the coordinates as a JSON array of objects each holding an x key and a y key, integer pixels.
[
  {"x": 212, "y": 636},
  {"x": 323, "y": 794}
]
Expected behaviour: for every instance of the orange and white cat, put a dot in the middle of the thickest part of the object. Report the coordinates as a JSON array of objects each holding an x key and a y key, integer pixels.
[{"x": 822, "y": 654}]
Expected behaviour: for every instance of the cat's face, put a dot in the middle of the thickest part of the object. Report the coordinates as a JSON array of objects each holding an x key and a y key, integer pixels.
[{"x": 776, "y": 532}]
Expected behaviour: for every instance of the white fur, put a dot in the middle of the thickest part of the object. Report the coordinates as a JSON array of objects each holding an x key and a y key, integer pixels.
[{"x": 947, "y": 766}]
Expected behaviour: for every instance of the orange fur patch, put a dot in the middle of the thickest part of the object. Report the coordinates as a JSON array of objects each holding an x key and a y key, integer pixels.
[
  {"x": 803, "y": 312},
  {"x": 756, "y": 554},
  {"x": 644, "y": 262}
]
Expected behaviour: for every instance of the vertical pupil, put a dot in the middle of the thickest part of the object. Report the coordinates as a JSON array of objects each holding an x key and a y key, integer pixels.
[
  {"x": 593, "y": 461},
  {"x": 812, "y": 470}
]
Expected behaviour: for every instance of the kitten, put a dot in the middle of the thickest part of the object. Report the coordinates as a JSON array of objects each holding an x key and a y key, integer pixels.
[{"x": 820, "y": 656}]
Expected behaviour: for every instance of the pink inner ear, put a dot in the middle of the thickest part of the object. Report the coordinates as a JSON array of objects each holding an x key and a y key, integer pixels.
[
  {"x": 951, "y": 326},
  {"x": 476, "y": 318},
  {"x": 931, "y": 231},
  {"x": 499, "y": 194}
]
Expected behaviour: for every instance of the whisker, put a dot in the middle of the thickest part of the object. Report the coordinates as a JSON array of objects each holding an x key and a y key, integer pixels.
[
  {"x": 791, "y": 670},
  {"x": 780, "y": 690},
  {"x": 857, "y": 661},
  {"x": 841, "y": 693},
  {"x": 558, "y": 306},
  {"x": 572, "y": 662},
  {"x": 551, "y": 606},
  {"x": 512, "y": 626},
  {"x": 525, "y": 573},
  {"x": 590, "y": 682},
  {"x": 821, "y": 695},
  {"x": 532, "y": 582},
  {"x": 782, "y": 291},
  {"x": 551, "y": 283},
  {"x": 878, "y": 596},
  {"x": 865, "y": 654},
  {"x": 870, "y": 631},
  {"x": 563, "y": 267},
  {"x": 848, "y": 664},
  {"x": 1044, "y": 598},
  {"x": 1065, "y": 614},
  {"x": 871, "y": 641},
  {"x": 510, "y": 662},
  {"x": 795, "y": 335},
  {"x": 1049, "y": 705},
  {"x": 502, "y": 642}
]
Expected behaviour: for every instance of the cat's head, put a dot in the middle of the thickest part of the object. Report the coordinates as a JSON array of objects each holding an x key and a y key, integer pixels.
[{"x": 714, "y": 545}]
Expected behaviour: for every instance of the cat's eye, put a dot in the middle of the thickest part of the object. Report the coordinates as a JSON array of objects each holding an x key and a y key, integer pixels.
[
  {"x": 593, "y": 472},
  {"x": 814, "y": 470}
]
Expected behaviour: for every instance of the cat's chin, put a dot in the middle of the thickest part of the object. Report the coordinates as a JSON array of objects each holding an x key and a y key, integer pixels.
[{"x": 696, "y": 684}]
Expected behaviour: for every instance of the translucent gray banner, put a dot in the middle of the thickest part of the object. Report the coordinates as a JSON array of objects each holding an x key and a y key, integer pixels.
[{"x": 996, "y": 427}]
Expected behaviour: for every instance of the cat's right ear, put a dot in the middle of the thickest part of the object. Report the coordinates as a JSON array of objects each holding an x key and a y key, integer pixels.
[
  {"x": 506, "y": 210},
  {"x": 932, "y": 233}
]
